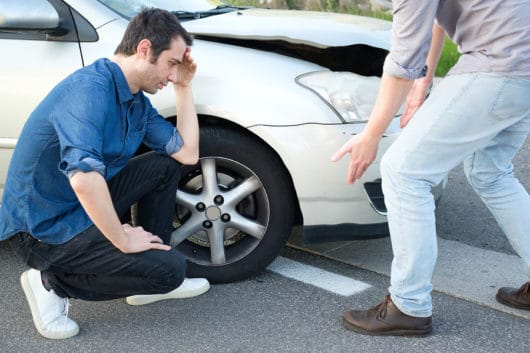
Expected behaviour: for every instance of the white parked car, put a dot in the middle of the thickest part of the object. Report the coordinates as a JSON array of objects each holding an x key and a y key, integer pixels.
[{"x": 277, "y": 93}]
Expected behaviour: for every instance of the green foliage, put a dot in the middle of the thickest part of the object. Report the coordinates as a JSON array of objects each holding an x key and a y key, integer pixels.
[
  {"x": 368, "y": 13},
  {"x": 255, "y": 3},
  {"x": 291, "y": 4},
  {"x": 448, "y": 58}
]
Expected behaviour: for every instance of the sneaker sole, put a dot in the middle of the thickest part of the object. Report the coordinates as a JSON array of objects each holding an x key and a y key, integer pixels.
[
  {"x": 151, "y": 298},
  {"x": 401, "y": 332},
  {"x": 32, "y": 301}
]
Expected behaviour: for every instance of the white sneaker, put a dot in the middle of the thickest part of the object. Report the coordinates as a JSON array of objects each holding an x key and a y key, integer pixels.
[
  {"x": 191, "y": 287},
  {"x": 49, "y": 311}
]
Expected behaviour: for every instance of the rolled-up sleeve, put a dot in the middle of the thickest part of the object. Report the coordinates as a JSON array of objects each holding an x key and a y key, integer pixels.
[
  {"x": 175, "y": 143},
  {"x": 411, "y": 38},
  {"x": 161, "y": 136},
  {"x": 79, "y": 126}
]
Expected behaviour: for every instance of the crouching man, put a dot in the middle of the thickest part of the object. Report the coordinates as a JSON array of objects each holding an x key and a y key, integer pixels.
[{"x": 73, "y": 175}]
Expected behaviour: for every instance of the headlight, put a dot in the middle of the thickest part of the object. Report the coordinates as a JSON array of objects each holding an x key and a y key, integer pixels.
[{"x": 352, "y": 96}]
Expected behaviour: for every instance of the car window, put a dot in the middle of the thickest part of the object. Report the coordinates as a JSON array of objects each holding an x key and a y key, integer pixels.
[{"x": 129, "y": 8}]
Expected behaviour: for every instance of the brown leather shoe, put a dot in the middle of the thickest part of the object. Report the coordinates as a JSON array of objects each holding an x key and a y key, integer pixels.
[
  {"x": 386, "y": 319},
  {"x": 516, "y": 298}
]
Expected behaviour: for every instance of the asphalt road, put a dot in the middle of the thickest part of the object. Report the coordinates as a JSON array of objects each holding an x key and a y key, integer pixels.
[
  {"x": 269, "y": 313},
  {"x": 274, "y": 313}
]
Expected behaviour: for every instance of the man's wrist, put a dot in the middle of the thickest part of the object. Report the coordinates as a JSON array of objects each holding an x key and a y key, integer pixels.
[
  {"x": 120, "y": 240},
  {"x": 182, "y": 85}
]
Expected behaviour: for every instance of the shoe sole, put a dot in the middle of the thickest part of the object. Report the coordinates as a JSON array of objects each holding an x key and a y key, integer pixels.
[
  {"x": 403, "y": 332},
  {"x": 32, "y": 301},
  {"x": 151, "y": 298},
  {"x": 510, "y": 304}
]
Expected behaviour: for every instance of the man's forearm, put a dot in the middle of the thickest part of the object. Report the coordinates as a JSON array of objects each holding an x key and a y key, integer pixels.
[
  {"x": 393, "y": 90},
  {"x": 392, "y": 94},
  {"x": 93, "y": 194},
  {"x": 437, "y": 43},
  {"x": 187, "y": 125}
]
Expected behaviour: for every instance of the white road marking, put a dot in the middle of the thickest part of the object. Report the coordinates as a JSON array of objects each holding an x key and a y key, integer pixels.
[
  {"x": 461, "y": 270},
  {"x": 317, "y": 277}
]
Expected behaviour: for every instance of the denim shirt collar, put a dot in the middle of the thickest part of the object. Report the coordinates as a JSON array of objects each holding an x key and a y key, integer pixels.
[{"x": 122, "y": 87}]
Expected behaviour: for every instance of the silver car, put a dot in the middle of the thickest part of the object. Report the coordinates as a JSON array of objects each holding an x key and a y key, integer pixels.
[{"x": 277, "y": 93}]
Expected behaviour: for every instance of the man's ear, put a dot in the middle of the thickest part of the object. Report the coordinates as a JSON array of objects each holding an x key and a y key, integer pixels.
[{"x": 143, "y": 48}]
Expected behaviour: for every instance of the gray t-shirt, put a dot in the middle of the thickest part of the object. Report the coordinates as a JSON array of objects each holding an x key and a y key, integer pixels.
[{"x": 492, "y": 36}]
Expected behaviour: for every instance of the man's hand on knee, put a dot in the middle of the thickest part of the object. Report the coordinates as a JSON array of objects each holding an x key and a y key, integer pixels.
[{"x": 139, "y": 240}]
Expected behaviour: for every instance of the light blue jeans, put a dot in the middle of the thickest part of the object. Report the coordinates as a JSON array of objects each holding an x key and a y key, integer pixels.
[{"x": 481, "y": 120}]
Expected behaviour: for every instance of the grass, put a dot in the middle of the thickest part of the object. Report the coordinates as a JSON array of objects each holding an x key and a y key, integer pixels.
[
  {"x": 448, "y": 58},
  {"x": 449, "y": 54}
]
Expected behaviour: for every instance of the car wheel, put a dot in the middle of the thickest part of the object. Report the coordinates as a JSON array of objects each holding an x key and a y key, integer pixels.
[{"x": 234, "y": 208}]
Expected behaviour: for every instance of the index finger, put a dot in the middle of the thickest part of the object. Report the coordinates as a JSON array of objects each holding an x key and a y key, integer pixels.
[
  {"x": 158, "y": 246},
  {"x": 339, "y": 154},
  {"x": 187, "y": 53}
]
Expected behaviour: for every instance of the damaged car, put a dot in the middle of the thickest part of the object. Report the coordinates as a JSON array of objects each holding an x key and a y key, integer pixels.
[{"x": 277, "y": 92}]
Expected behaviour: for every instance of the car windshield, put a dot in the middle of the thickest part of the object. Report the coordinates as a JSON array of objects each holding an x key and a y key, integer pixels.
[{"x": 184, "y": 9}]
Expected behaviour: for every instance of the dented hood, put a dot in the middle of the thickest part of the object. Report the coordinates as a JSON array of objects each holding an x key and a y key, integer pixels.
[{"x": 318, "y": 29}]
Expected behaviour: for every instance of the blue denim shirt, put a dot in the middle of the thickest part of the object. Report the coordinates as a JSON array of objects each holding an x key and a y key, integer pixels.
[{"x": 89, "y": 122}]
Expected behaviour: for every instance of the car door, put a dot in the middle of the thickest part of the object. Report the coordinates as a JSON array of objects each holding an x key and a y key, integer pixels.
[{"x": 39, "y": 42}]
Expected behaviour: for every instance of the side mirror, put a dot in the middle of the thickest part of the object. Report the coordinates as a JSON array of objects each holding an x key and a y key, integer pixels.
[{"x": 29, "y": 15}]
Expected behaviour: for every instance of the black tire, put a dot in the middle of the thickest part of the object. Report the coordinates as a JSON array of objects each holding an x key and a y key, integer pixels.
[{"x": 254, "y": 213}]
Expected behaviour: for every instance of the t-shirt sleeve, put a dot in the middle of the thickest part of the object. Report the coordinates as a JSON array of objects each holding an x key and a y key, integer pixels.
[{"x": 411, "y": 38}]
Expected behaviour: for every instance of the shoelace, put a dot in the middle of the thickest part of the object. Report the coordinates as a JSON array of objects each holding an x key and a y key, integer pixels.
[
  {"x": 66, "y": 308},
  {"x": 382, "y": 308},
  {"x": 524, "y": 289}
]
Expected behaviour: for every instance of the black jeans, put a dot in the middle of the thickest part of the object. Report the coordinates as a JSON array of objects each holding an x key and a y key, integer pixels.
[{"x": 89, "y": 267}]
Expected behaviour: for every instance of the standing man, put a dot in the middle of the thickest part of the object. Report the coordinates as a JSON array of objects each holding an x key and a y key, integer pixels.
[
  {"x": 73, "y": 176},
  {"x": 479, "y": 115}
]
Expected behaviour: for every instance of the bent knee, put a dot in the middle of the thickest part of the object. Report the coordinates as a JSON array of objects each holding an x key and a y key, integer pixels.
[
  {"x": 388, "y": 167},
  {"x": 171, "y": 273},
  {"x": 492, "y": 185}
]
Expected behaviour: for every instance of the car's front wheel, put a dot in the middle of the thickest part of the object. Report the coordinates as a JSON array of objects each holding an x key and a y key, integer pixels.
[{"x": 234, "y": 208}]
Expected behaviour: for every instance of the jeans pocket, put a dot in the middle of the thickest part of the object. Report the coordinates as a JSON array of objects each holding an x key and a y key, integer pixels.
[{"x": 512, "y": 100}]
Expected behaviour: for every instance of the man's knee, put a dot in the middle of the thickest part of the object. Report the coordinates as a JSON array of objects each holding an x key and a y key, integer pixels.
[
  {"x": 164, "y": 164},
  {"x": 172, "y": 272},
  {"x": 388, "y": 168},
  {"x": 172, "y": 171},
  {"x": 487, "y": 180},
  {"x": 397, "y": 177},
  {"x": 488, "y": 184}
]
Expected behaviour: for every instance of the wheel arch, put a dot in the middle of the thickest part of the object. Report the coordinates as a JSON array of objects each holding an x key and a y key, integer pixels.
[{"x": 213, "y": 121}]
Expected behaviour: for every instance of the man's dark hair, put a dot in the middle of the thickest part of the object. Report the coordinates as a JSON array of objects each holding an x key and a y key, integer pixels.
[{"x": 157, "y": 25}]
